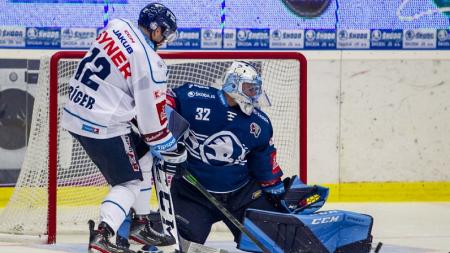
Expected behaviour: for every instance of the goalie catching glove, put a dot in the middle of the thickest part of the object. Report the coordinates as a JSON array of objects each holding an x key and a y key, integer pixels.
[
  {"x": 301, "y": 198},
  {"x": 293, "y": 196}
]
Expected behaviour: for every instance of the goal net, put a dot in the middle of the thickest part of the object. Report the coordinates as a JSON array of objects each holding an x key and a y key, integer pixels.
[{"x": 59, "y": 189}]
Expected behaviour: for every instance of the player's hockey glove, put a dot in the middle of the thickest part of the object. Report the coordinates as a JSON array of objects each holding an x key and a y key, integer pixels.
[
  {"x": 173, "y": 161},
  {"x": 274, "y": 192}
]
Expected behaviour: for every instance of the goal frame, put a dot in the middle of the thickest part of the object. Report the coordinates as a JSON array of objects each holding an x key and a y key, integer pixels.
[{"x": 207, "y": 55}]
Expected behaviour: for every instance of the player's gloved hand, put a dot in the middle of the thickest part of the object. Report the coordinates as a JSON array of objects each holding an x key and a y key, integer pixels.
[
  {"x": 175, "y": 160},
  {"x": 275, "y": 193}
]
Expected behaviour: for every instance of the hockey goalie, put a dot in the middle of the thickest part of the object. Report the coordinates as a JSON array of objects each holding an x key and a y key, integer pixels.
[
  {"x": 301, "y": 228},
  {"x": 231, "y": 175}
]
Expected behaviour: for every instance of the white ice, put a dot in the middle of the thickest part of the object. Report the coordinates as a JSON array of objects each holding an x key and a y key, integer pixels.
[{"x": 407, "y": 227}]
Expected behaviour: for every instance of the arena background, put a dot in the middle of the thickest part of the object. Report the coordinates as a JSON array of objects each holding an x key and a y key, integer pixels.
[{"x": 378, "y": 124}]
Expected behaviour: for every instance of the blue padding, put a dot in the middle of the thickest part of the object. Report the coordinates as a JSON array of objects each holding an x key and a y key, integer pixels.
[
  {"x": 248, "y": 245},
  {"x": 334, "y": 229}
]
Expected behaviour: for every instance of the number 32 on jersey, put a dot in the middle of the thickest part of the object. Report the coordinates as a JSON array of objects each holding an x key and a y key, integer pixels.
[{"x": 202, "y": 113}]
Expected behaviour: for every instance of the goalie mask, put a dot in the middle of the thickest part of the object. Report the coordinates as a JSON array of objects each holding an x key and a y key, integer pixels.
[{"x": 243, "y": 83}]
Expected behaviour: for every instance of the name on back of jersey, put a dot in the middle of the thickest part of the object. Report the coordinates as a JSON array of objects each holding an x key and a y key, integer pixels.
[
  {"x": 114, "y": 52},
  {"x": 77, "y": 96}
]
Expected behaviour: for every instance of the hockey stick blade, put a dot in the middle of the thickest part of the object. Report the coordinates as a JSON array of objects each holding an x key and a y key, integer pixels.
[
  {"x": 194, "y": 182},
  {"x": 193, "y": 247},
  {"x": 378, "y": 247}
]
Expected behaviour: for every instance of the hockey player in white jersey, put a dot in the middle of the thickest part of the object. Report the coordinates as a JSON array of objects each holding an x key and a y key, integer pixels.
[{"x": 122, "y": 78}]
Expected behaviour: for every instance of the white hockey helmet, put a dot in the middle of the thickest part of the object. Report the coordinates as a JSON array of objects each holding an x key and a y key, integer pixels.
[{"x": 243, "y": 83}]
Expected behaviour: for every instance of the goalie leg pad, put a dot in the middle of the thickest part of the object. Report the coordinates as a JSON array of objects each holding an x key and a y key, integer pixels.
[
  {"x": 330, "y": 231},
  {"x": 279, "y": 232}
]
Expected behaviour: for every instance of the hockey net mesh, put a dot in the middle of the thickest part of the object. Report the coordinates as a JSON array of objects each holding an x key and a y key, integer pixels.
[{"x": 81, "y": 187}]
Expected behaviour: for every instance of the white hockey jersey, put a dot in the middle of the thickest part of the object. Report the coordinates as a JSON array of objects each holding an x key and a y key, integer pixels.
[{"x": 120, "y": 78}]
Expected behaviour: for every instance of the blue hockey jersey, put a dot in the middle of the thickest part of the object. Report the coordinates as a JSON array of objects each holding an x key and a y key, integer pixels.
[{"x": 226, "y": 147}]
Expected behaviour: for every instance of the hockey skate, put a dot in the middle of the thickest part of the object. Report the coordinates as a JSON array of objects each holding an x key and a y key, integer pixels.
[
  {"x": 99, "y": 240},
  {"x": 142, "y": 232},
  {"x": 122, "y": 242}
]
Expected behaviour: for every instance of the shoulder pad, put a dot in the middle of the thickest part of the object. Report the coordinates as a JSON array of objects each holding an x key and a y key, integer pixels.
[{"x": 260, "y": 114}]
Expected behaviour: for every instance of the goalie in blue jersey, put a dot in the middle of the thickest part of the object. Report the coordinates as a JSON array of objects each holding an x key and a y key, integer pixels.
[
  {"x": 230, "y": 152},
  {"x": 228, "y": 143}
]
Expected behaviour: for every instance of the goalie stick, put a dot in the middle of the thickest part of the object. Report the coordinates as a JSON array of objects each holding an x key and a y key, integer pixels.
[
  {"x": 194, "y": 182},
  {"x": 378, "y": 247},
  {"x": 162, "y": 176},
  {"x": 162, "y": 186}
]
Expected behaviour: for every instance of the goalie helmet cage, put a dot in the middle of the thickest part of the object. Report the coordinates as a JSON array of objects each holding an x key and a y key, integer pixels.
[{"x": 58, "y": 184}]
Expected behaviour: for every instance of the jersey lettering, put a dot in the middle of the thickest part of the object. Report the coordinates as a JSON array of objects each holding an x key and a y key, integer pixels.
[
  {"x": 118, "y": 58},
  {"x": 124, "y": 41},
  {"x": 80, "y": 98}
]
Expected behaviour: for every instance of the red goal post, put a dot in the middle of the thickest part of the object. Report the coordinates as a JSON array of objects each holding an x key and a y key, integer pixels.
[{"x": 284, "y": 77}]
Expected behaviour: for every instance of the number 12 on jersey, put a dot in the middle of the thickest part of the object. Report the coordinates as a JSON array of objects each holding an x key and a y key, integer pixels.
[{"x": 103, "y": 69}]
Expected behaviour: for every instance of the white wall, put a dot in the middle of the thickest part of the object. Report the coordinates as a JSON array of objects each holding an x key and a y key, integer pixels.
[{"x": 378, "y": 116}]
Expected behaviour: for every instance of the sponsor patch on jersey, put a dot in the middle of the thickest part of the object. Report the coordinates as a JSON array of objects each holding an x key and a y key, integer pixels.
[
  {"x": 156, "y": 136},
  {"x": 256, "y": 194},
  {"x": 130, "y": 36},
  {"x": 161, "y": 112},
  {"x": 172, "y": 142},
  {"x": 192, "y": 94},
  {"x": 90, "y": 129},
  {"x": 255, "y": 129}
]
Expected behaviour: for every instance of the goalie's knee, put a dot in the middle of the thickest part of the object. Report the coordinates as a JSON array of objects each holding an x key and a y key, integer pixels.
[{"x": 192, "y": 234}]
